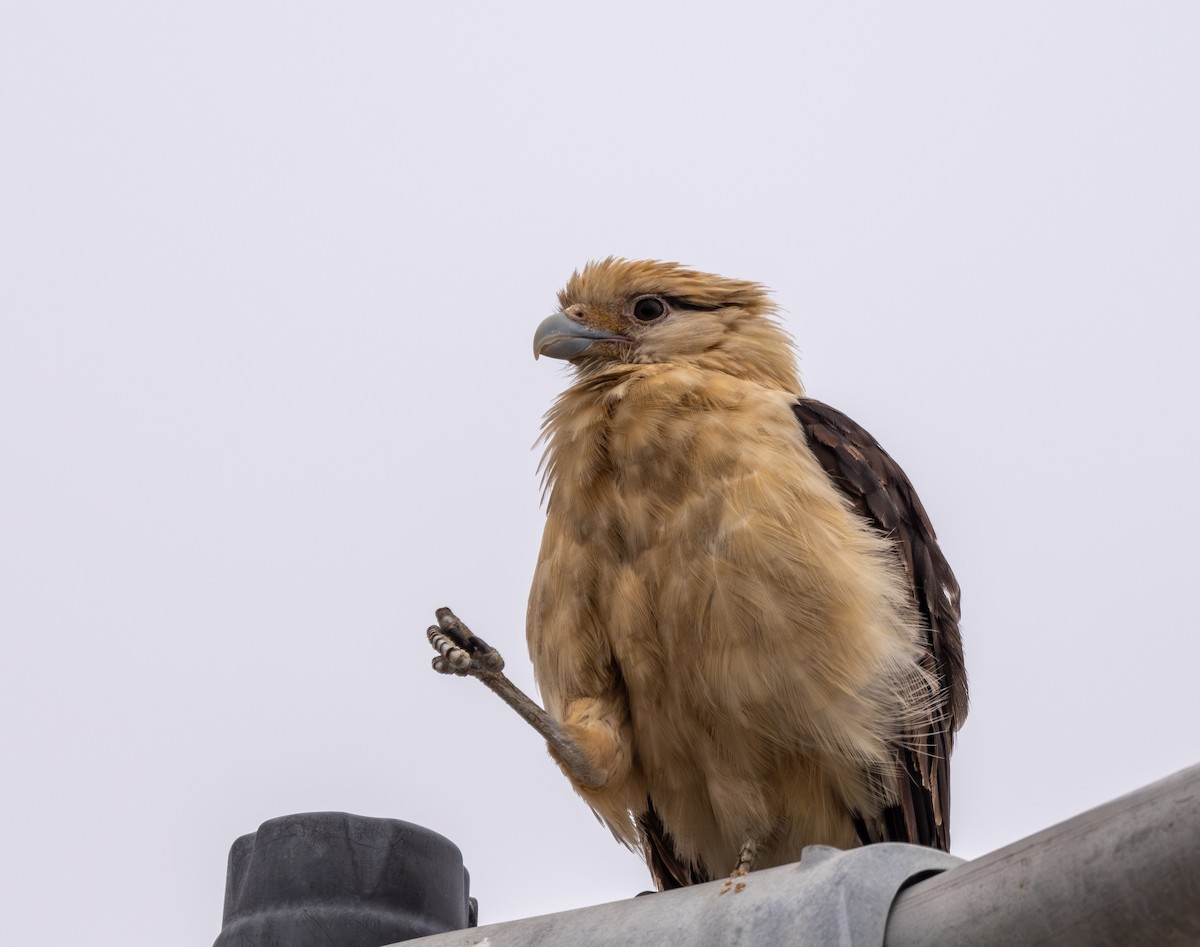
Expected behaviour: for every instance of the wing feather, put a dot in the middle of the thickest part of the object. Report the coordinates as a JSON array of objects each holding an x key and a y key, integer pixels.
[
  {"x": 881, "y": 493},
  {"x": 666, "y": 867}
]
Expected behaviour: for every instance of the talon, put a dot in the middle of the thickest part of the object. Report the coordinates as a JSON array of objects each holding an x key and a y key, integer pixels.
[{"x": 450, "y": 622}]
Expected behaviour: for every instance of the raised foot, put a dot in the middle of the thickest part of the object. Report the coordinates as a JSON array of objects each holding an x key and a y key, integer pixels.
[
  {"x": 459, "y": 650},
  {"x": 463, "y": 653}
]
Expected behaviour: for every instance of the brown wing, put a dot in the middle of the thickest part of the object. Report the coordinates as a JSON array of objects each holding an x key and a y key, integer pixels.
[
  {"x": 882, "y": 494},
  {"x": 666, "y": 867}
]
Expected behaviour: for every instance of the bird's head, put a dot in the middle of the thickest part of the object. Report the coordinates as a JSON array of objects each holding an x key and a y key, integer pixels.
[{"x": 633, "y": 312}]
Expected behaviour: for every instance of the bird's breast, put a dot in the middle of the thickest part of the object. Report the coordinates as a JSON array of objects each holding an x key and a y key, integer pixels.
[
  {"x": 700, "y": 567},
  {"x": 671, "y": 459}
]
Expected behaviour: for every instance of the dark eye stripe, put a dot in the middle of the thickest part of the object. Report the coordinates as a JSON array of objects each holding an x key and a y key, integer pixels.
[{"x": 678, "y": 302}]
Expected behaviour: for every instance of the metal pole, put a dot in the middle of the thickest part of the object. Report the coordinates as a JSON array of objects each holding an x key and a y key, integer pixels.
[{"x": 1125, "y": 873}]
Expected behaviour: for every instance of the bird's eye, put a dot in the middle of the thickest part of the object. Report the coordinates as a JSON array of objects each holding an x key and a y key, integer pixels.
[{"x": 648, "y": 308}]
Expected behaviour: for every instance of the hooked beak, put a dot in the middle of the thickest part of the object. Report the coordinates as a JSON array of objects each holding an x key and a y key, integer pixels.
[{"x": 560, "y": 336}]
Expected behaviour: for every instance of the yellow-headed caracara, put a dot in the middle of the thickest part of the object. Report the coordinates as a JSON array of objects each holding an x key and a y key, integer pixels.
[{"x": 743, "y": 629}]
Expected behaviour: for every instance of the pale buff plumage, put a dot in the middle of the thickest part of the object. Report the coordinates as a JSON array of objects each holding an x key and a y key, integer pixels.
[{"x": 711, "y": 623}]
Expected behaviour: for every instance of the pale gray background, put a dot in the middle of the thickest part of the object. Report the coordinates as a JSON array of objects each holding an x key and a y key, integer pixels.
[{"x": 270, "y": 273}]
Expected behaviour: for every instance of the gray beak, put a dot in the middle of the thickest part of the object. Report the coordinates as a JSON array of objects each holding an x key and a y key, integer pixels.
[{"x": 560, "y": 336}]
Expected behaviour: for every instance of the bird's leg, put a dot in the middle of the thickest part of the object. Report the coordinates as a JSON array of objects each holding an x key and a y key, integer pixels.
[
  {"x": 463, "y": 653},
  {"x": 746, "y": 859},
  {"x": 745, "y": 864}
]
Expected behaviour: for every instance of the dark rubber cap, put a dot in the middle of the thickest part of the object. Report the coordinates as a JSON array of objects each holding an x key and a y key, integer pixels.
[{"x": 323, "y": 878}]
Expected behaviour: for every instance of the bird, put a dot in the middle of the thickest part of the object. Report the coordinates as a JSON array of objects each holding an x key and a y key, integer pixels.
[{"x": 741, "y": 624}]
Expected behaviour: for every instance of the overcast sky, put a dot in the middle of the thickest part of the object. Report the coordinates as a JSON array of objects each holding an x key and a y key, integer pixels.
[{"x": 269, "y": 274}]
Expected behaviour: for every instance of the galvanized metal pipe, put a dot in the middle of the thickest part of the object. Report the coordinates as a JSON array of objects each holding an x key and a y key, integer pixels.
[
  {"x": 1125, "y": 873},
  {"x": 828, "y": 898}
]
